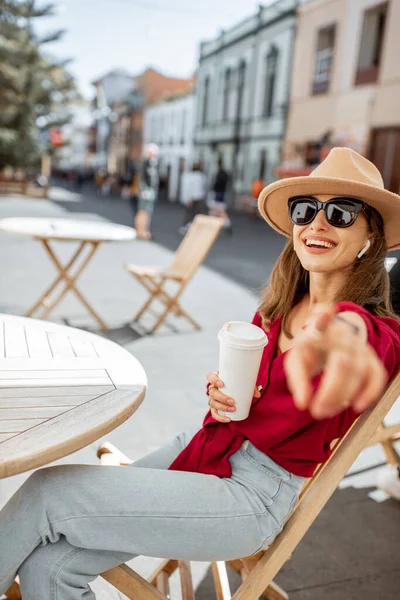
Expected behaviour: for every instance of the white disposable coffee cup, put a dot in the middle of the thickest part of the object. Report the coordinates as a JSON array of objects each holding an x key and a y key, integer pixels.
[{"x": 241, "y": 348}]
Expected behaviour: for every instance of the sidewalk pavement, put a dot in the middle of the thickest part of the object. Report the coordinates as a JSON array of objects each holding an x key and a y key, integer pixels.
[{"x": 351, "y": 550}]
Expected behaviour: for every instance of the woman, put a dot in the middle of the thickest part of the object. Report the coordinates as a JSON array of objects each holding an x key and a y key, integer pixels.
[
  {"x": 228, "y": 490},
  {"x": 148, "y": 190}
]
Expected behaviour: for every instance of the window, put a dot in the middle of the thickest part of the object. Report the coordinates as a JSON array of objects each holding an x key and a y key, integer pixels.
[
  {"x": 241, "y": 81},
  {"x": 324, "y": 59},
  {"x": 183, "y": 130},
  {"x": 161, "y": 132},
  {"x": 371, "y": 44},
  {"x": 242, "y": 74},
  {"x": 205, "y": 101},
  {"x": 171, "y": 128},
  {"x": 225, "y": 100},
  {"x": 271, "y": 61},
  {"x": 262, "y": 172}
]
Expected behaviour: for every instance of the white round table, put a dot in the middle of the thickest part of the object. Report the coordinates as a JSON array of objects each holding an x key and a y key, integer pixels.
[
  {"x": 60, "y": 389},
  {"x": 89, "y": 234}
]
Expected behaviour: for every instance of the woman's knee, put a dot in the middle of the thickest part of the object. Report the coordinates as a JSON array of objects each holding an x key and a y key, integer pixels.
[
  {"x": 47, "y": 568},
  {"x": 48, "y": 480}
]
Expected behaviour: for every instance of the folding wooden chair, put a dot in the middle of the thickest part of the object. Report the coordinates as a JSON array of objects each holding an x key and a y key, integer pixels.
[
  {"x": 190, "y": 254},
  {"x": 258, "y": 571}
]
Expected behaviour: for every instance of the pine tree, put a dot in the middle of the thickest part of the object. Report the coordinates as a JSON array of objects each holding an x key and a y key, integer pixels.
[{"x": 35, "y": 91}]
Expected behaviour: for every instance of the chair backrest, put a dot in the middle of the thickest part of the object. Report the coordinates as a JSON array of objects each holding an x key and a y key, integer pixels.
[
  {"x": 196, "y": 245},
  {"x": 316, "y": 494}
]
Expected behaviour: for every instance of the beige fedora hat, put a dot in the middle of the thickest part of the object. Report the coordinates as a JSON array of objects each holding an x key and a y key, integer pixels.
[{"x": 344, "y": 172}]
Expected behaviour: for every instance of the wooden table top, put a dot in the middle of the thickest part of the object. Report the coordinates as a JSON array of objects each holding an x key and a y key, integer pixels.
[
  {"x": 60, "y": 389},
  {"x": 67, "y": 229}
]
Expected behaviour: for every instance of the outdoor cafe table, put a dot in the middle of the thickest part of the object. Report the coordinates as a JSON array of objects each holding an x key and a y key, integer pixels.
[
  {"x": 60, "y": 389},
  {"x": 89, "y": 235}
]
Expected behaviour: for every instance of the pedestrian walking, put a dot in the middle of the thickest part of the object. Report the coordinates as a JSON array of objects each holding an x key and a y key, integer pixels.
[
  {"x": 134, "y": 193},
  {"x": 217, "y": 202},
  {"x": 106, "y": 185},
  {"x": 193, "y": 195},
  {"x": 99, "y": 180},
  {"x": 148, "y": 190}
]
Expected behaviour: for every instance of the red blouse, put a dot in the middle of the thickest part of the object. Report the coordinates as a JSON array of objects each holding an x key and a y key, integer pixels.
[{"x": 292, "y": 438}]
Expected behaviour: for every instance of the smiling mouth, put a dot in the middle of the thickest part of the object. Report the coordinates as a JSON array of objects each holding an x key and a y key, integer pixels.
[{"x": 319, "y": 244}]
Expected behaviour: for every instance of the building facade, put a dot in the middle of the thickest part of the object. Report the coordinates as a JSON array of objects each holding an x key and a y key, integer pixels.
[
  {"x": 121, "y": 100},
  {"x": 242, "y": 95},
  {"x": 345, "y": 87},
  {"x": 169, "y": 124},
  {"x": 110, "y": 89}
]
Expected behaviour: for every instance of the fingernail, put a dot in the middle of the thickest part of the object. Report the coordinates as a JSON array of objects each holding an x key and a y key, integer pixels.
[
  {"x": 231, "y": 408},
  {"x": 220, "y": 384},
  {"x": 231, "y": 402}
]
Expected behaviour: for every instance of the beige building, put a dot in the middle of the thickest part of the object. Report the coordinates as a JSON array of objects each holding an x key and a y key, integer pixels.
[{"x": 345, "y": 87}]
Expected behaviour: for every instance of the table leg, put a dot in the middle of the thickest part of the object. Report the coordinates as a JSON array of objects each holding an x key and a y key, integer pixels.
[
  {"x": 42, "y": 300},
  {"x": 69, "y": 281}
]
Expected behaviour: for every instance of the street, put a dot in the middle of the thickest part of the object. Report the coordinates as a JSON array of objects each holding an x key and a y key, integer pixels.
[{"x": 246, "y": 256}]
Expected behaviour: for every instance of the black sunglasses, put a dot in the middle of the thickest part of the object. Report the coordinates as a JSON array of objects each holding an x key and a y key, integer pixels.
[{"x": 339, "y": 212}]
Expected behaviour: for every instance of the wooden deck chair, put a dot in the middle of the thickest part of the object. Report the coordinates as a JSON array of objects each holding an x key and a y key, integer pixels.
[
  {"x": 259, "y": 570},
  {"x": 191, "y": 252}
]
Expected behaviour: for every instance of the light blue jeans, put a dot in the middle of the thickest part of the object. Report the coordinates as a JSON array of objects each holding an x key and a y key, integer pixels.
[{"x": 67, "y": 524}]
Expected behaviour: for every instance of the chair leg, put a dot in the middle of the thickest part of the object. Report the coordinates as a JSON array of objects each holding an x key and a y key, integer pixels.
[
  {"x": 390, "y": 452},
  {"x": 185, "y": 314},
  {"x": 186, "y": 580},
  {"x": 143, "y": 309},
  {"x": 168, "y": 566},
  {"x": 161, "y": 318},
  {"x": 130, "y": 583},
  {"x": 386, "y": 435},
  {"x": 14, "y": 592},
  {"x": 221, "y": 581},
  {"x": 160, "y": 577},
  {"x": 162, "y": 584},
  {"x": 274, "y": 592}
]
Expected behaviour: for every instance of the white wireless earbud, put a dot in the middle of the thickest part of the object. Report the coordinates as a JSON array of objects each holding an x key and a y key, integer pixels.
[{"x": 364, "y": 250}]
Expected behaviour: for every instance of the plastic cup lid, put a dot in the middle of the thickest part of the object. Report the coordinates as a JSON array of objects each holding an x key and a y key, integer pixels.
[{"x": 243, "y": 335}]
